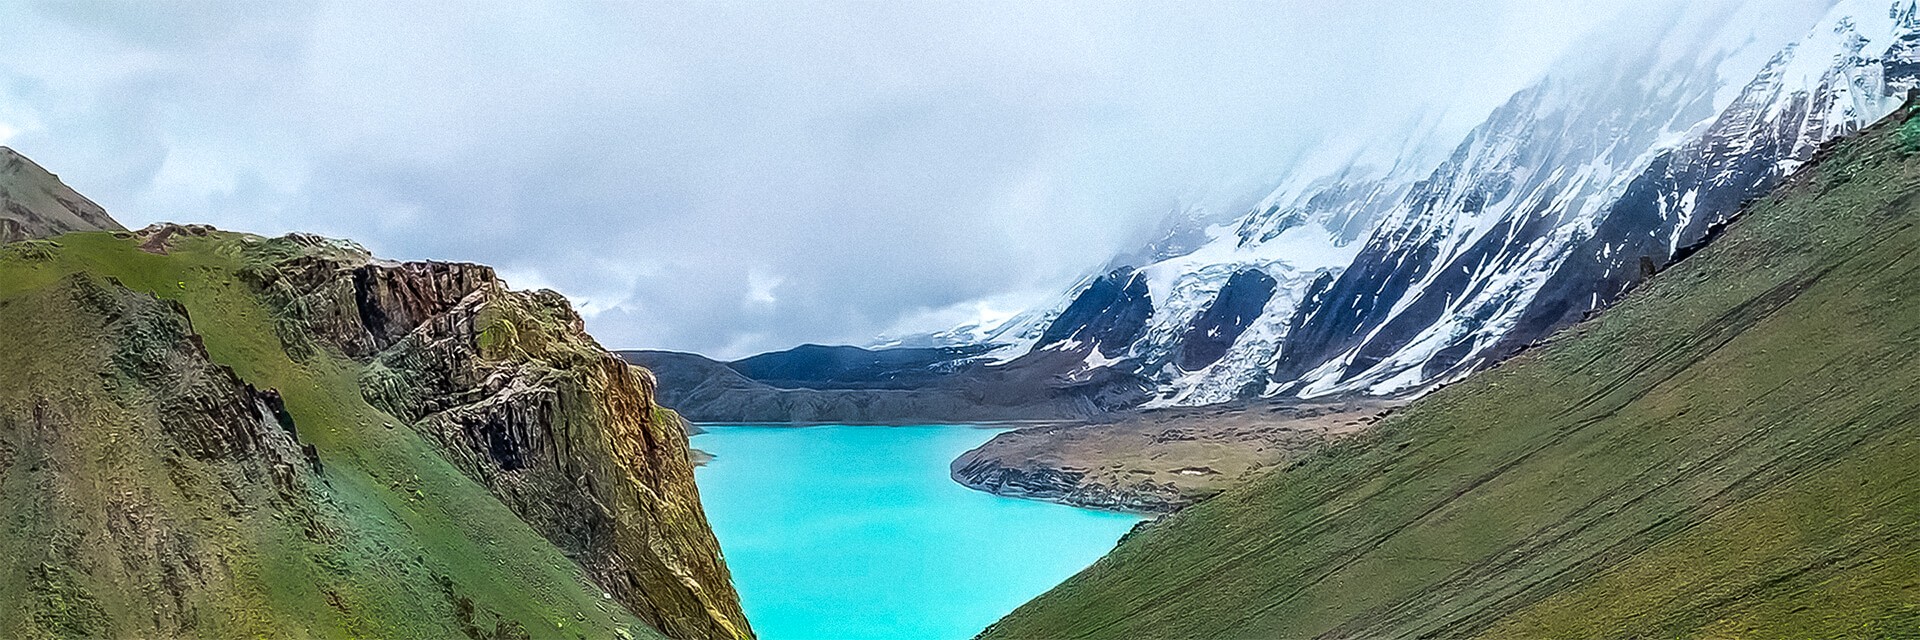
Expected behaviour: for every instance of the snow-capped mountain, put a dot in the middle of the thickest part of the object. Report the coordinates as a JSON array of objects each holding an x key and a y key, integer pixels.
[{"x": 1389, "y": 277}]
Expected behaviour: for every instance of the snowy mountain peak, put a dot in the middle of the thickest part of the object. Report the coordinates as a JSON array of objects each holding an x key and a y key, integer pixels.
[{"x": 1390, "y": 276}]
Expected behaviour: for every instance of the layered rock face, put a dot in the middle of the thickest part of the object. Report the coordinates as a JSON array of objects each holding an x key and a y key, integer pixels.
[
  {"x": 34, "y": 204},
  {"x": 523, "y": 401}
]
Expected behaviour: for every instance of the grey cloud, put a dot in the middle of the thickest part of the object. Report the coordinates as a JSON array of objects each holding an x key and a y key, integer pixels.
[{"x": 734, "y": 177}]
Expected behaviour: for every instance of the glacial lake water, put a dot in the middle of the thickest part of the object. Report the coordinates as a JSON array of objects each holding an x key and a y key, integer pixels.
[{"x": 848, "y": 533}]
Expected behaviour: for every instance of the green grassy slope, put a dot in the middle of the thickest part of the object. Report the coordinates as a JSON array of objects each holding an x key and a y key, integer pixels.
[
  {"x": 393, "y": 542},
  {"x": 1733, "y": 451}
]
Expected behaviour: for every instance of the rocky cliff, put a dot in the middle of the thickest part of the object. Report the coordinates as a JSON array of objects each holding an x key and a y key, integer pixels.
[
  {"x": 332, "y": 444},
  {"x": 520, "y": 398}
]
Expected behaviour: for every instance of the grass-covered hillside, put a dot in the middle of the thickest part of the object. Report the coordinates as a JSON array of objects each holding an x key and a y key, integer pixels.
[
  {"x": 1731, "y": 452},
  {"x": 208, "y": 434}
]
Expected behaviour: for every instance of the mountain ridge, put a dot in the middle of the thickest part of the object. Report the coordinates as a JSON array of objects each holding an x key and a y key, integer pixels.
[
  {"x": 38, "y": 205},
  {"x": 1719, "y": 455},
  {"x": 1396, "y": 272},
  {"x": 1561, "y": 200},
  {"x": 937, "y": 391}
]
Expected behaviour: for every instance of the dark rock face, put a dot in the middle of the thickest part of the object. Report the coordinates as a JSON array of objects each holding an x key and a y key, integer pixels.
[
  {"x": 1357, "y": 311},
  {"x": 1109, "y": 314},
  {"x": 522, "y": 400},
  {"x": 1238, "y": 304},
  {"x": 34, "y": 204},
  {"x": 393, "y": 300},
  {"x": 207, "y": 409},
  {"x": 1743, "y": 155},
  {"x": 1437, "y": 301}
]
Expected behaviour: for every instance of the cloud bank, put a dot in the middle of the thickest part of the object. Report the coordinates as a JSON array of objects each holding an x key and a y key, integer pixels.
[{"x": 736, "y": 177}]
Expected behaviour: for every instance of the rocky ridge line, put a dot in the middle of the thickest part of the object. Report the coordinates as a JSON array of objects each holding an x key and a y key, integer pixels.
[{"x": 522, "y": 400}]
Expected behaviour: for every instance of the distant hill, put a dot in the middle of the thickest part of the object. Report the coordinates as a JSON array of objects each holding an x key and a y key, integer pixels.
[
  {"x": 1729, "y": 452},
  {"x": 35, "y": 204},
  {"x": 848, "y": 385},
  {"x": 813, "y": 366}
]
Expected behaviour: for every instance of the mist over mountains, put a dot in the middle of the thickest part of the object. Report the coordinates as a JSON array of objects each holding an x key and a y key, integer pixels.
[{"x": 1388, "y": 277}]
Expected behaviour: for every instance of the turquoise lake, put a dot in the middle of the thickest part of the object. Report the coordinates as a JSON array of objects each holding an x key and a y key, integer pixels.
[{"x": 848, "y": 533}]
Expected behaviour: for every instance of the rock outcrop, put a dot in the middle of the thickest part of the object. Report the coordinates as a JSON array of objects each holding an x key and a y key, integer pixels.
[
  {"x": 333, "y": 446},
  {"x": 521, "y": 399},
  {"x": 125, "y": 488},
  {"x": 1240, "y": 301}
]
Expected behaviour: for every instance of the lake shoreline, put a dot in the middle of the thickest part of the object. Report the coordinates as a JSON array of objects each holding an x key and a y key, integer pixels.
[
  {"x": 852, "y": 532},
  {"x": 986, "y": 424}
]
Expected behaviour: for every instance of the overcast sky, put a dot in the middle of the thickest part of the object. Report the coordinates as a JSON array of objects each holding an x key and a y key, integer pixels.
[{"x": 730, "y": 178}]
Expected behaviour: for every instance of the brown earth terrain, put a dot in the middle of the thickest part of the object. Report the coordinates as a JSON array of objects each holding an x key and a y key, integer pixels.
[{"x": 1159, "y": 460}]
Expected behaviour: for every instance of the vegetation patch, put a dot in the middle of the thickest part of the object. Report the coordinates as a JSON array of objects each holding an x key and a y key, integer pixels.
[
  {"x": 63, "y": 607},
  {"x": 353, "y": 546}
]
